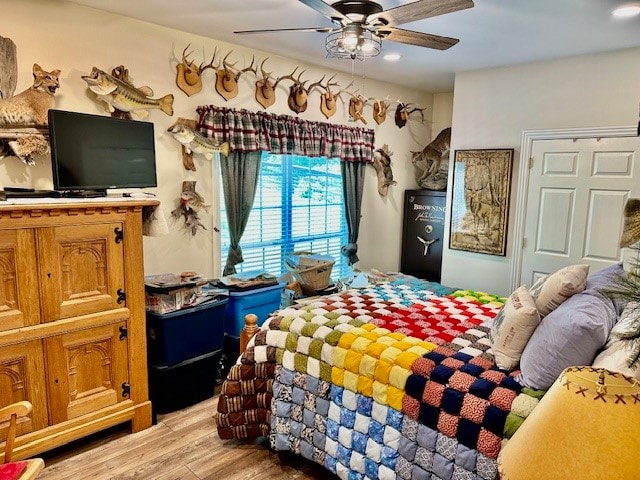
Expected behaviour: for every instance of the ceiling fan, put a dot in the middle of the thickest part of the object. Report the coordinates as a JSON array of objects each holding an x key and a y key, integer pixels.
[{"x": 362, "y": 24}]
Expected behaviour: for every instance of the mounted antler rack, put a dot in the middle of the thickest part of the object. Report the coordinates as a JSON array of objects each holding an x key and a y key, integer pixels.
[{"x": 189, "y": 80}]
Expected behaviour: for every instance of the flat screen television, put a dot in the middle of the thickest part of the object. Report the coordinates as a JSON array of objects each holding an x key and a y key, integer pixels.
[{"x": 93, "y": 153}]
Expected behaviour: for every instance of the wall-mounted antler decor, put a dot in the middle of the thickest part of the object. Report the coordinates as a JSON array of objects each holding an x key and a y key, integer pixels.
[
  {"x": 298, "y": 93},
  {"x": 380, "y": 108},
  {"x": 227, "y": 78},
  {"x": 265, "y": 88},
  {"x": 189, "y": 80},
  {"x": 403, "y": 110},
  {"x": 328, "y": 104},
  {"x": 188, "y": 75}
]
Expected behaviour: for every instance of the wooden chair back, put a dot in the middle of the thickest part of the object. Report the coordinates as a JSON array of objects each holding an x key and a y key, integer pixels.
[{"x": 12, "y": 413}]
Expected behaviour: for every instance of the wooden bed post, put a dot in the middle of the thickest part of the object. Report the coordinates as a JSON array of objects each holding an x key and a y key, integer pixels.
[{"x": 248, "y": 331}]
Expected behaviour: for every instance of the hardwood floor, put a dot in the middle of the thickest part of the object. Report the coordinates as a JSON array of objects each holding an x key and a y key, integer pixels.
[{"x": 183, "y": 445}]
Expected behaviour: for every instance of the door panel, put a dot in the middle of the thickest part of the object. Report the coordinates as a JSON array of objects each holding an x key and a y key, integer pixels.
[
  {"x": 22, "y": 378},
  {"x": 81, "y": 269},
  {"x": 576, "y": 197},
  {"x": 86, "y": 371},
  {"x": 19, "y": 305}
]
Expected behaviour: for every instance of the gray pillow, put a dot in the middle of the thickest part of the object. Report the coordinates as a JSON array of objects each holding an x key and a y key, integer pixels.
[{"x": 573, "y": 333}]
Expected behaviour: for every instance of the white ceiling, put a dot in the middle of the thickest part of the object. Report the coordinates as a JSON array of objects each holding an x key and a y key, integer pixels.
[{"x": 493, "y": 33}]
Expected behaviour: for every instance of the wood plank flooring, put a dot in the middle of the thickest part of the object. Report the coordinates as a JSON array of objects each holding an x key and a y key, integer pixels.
[{"x": 183, "y": 445}]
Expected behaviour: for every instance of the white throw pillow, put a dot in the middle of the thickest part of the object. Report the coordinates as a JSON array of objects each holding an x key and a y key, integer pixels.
[
  {"x": 550, "y": 291},
  {"x": 617, "y": 352},
  {"x": 513, "y": 327}
]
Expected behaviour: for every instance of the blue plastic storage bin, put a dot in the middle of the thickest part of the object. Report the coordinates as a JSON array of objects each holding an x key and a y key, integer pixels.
[
  {"x": 259, "y": 301},
  {"x": 185, "y": 334}
]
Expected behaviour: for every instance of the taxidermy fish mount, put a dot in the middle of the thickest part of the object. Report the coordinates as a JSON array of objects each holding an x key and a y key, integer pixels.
[
  {"x": 194, "y": 142},
  {"x": 119, "y": 95}
]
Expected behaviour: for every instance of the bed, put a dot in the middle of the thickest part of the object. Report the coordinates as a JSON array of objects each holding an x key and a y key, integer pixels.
[{"x": 391, "y": 381}]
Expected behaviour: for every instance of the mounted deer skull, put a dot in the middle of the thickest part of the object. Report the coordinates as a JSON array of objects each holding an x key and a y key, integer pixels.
[{"x": 227, "y": 78}]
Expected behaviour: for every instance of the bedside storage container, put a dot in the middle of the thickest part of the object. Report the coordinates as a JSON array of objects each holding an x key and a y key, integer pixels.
[
  {"x": 185, "y": 334},
  {"x": 259, "y": 301},
  {"x": 186, "y": 383}
]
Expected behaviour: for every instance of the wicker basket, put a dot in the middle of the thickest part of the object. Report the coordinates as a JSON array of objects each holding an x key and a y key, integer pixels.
[{"x": 313, "y": 272}]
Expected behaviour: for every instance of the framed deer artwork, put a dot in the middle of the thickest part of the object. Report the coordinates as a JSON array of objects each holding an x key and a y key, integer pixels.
[{"x": 480, "y": 200}]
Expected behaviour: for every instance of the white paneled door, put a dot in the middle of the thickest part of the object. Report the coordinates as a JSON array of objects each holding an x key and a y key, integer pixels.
[{"x": 577, "y": 189}]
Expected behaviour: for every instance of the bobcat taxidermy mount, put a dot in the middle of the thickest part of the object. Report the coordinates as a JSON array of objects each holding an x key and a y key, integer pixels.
[
  {"x": 428, "y": 162},
  {"x": 29, "y": 108}
]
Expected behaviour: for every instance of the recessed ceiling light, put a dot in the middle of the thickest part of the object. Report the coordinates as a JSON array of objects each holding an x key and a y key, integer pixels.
[
  {"x": 392, "y": 57},
  {"x": 626, "y": 11}
]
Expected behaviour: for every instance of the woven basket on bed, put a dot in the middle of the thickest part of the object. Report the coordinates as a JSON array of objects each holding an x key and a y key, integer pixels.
[{"x": 312, "y": 271}]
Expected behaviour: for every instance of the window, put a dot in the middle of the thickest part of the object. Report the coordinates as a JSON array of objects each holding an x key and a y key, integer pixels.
[{"x": 298, "y": 207}]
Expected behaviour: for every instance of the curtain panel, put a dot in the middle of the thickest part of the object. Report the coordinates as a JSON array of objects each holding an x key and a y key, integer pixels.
[{"x": 248, "y": 131}]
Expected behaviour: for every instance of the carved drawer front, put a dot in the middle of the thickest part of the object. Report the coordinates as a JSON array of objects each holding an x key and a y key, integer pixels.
[
  {"x": 81, "y": 269},
  {"x": 22, "y": 378},
  {"x": 18, "y": 279},
  {"x": 86, "y": 371}
]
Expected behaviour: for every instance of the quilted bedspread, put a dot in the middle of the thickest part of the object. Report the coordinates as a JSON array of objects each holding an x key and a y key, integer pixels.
[{"x": 395, "y": 381}]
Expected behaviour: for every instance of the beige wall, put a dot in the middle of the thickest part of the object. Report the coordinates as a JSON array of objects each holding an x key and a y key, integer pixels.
[
  {"x": 56, "y": 34},
  {"x": 493, "y": 107}
]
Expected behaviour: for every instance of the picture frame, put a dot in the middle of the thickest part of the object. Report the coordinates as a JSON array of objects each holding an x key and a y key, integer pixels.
[{"x": 480, "y": 200}]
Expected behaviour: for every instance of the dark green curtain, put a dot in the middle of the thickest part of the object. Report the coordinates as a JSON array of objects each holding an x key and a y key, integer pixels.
[
  {"x": 352, "y": 185},
  {"x": 239, "y": 172}
]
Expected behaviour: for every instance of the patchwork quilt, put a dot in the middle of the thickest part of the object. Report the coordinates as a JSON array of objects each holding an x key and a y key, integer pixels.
[{"x": 396, "y": 381}]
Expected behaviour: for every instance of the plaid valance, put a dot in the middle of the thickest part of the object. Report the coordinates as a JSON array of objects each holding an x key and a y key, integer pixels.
[{"x": 248, "y": 131}]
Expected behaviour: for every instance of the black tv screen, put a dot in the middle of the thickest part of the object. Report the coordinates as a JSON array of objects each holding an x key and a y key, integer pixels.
[{"x": 94, "y": 152}]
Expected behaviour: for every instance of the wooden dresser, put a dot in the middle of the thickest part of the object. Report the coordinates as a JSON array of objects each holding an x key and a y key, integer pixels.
[{"x": 72, "y": 318}]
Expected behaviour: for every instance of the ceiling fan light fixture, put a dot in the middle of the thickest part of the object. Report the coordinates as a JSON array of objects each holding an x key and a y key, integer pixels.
[
  {"x": 626, "y": 11},
  {"x": 353, "y": 42}
]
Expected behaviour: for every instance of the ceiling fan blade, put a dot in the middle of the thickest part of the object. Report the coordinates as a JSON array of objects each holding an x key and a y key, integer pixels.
[
  {"x": 416, "y": 38},
  {"x": 420, "y": 10},
  {"x": 271, "y": 30},
  {"x": 326, "y": 10}
]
